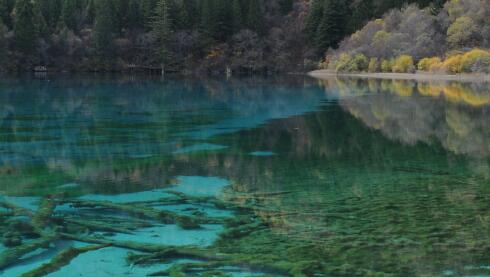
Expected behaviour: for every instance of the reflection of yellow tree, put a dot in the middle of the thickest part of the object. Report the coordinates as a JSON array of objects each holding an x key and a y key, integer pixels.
[
  {"x": 452, "y": 112},
  {"x": 455, "y": 92}
]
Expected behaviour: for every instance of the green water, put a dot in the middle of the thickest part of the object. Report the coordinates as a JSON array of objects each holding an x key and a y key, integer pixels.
[{"x": 283, "y": 176}]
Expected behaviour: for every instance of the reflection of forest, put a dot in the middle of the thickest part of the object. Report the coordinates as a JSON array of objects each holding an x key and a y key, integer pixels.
[
  {"x": 375, "y": 183},
  {"x": 455, "y": 114},
  {"x": 97, "y": 130}
]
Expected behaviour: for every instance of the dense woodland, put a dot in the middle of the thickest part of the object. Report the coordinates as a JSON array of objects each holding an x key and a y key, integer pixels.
[
  {"x": 454, "y": 39},
  {"x": 245, "y": 36}
]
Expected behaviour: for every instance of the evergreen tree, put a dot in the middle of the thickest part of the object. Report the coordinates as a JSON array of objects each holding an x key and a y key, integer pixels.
[
  {"x": 25, "y": 27},
  {"x": 134, "y": 14},
  {"x": 69, "y": 14},
  {"x": 5, "y": 11},
  {"x": 147, "y": 9},
  {"x": 363, "y": 12},
  {"x": 184, "y": 20},
  {"x": 207, "y": 24},
  {"x": 162, "y": 29},
  {"x": 51, "y": 10},
  {"x": 104, "y": 31},
  {"x": 237, "y": 15},
  {"x": 90, "y": 12},
  {"x": 314, "y": 18},
  {"x": 286, "y": 6},
  {"x": 41, "y": 26},
  {"x": 332, "y": 28},
  {"x": 3, "y": 43},
  {"x": 223, "y": 19},
  {"x": 255, "y": 17}
]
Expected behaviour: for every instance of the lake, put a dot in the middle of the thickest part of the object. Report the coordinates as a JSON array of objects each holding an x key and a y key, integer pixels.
[{"x": 280, "y": 176}]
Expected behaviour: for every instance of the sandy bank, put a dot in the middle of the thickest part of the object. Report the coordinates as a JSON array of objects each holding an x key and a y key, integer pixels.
[{"x": 321, "y": 74}]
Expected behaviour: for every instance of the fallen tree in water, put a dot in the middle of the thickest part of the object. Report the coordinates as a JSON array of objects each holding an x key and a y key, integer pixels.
[{"x": 94, "y": 222}]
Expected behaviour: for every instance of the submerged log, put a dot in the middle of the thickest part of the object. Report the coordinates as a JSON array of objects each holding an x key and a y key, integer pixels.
[
  {"x": 12, "y": 255},
  {"x": 62, "y": 259}
]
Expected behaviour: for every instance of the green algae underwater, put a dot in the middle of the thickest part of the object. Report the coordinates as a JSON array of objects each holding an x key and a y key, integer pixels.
[{"x": 138, "y": 176}]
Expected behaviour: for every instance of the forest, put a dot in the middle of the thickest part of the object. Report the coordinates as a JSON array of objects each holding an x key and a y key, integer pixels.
[
  {"x": 454, "y": 39},
  {"x": 210, "y": 36}
]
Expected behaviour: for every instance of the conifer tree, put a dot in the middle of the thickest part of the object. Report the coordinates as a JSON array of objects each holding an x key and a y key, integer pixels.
[
  {"x": 104, "y": 31},
  {"x": 51, "y": 10},
  {"x": 207, "y": 24},
  {"x": 69, "y": 16},
  {"x": 286, "y": 6},
  {"x": 162, "y": 30},
  {"x": 41, "y": 26},
  {"x": 237, "y": 15},
  {"x": 184, "y": 20},
  {"x": 362, "y": 13},
  {"x": 134, "y": 14},
  {"x": 3, "y": 43},
  {"x": 255, "y": 20},
  {"x": 224, "y": 23},
  {"x": 5, "y": 11},
  {"x": 147, "y": 11},
  {"x": 24, "y": 27},
  {"x": 314, "y": 18},
  {"x": 90, "y": 12},
  {"x": 332, "y": 28}
]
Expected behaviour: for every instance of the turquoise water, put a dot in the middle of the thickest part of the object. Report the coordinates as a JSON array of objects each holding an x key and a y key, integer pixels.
[{"x": 291, "y": 176}]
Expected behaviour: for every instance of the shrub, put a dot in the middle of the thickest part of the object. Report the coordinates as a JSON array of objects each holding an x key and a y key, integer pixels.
[
  {"x": 403, "y": 64},
  {"x": 429, "y": 64},
  {"x": 475, "y": 61},
  {"x": 453, "y": 64},
  {"x": 373, "y": 65},
  {"x": 360, "y": 63},
  {"x": 342, "y": 63},
  {"x": 386, "y": 65},
  {"x": 348, "y": 64}
]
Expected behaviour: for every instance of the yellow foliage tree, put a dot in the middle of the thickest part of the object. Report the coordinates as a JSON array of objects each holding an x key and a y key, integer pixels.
[{"x": 403, "y": 64}]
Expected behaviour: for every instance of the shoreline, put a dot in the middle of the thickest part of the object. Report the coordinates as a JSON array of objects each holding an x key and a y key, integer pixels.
[{"x": 326, "y": 74}]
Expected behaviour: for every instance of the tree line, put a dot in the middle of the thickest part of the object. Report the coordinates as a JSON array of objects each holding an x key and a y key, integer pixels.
[
  {"x": 453, "y": 39},
  {"x": 179, "y": 35}
]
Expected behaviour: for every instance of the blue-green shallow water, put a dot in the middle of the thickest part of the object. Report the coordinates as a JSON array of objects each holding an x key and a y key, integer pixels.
[{"x": 313, "y": 178}]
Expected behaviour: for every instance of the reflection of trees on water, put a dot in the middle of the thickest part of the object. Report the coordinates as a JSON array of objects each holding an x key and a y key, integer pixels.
[
  {"x": 79, "y": 129},
  {"x": 413, "y": 112}
]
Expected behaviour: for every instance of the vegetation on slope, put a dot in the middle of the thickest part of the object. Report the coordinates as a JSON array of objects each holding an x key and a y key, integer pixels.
[
  {"x": 179, "y": 35},
  {"x": 446, "y": 41}
]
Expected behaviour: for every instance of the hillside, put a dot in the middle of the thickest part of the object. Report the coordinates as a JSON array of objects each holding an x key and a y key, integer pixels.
[{"x": 453, "y": 40}]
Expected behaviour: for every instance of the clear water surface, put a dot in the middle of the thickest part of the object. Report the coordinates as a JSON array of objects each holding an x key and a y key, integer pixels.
[{"x": 283, "y": 176}]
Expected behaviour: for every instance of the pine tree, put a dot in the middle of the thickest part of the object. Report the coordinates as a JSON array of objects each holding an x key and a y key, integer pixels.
[
  {"x": 286, "y": 6},
  {"x": 3, "y": 44},
  {"x": 25, "y": 27},
  {"x": 332, "y": 28},
  {"x": 104, "y": 31},
  {"x": 69, "y": 14},
  {"x": 314, "y": 18},
  {"x": 207, "y": 24},
  {"x": 184, "y": 20},
  {"x": 90, "y": 12},
  {"x": 147, "y": 9},
  {"x": 223, "y": 19},
  {"x": 51, "y": 10},
  {"x": 42, "y": 27},
  {"x": 362, "y": 13},
  {"x": 162, "y": 29},
  {"x": 134, "y": 14},
  {"x": 5, "y": 11},
  {"x": 237, "y": 15},
  {"x": 255, "y": 17}
]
